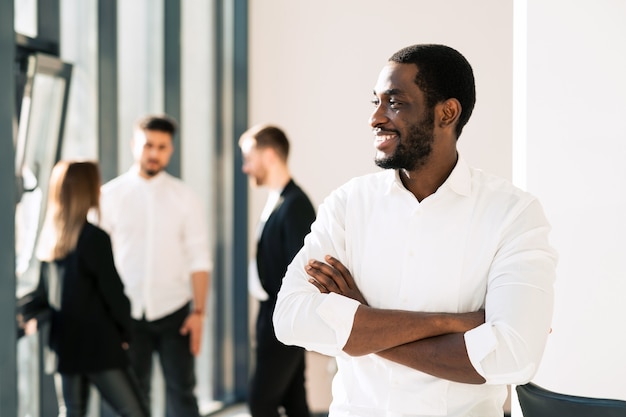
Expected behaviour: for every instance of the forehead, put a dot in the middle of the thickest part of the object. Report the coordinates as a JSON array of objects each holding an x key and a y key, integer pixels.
[
  {"x": 153, "y": 136},
  {"x": 396, "y": 78}
]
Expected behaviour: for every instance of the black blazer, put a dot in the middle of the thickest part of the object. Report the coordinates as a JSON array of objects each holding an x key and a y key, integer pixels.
[
  {"x": 283, "y": 236},
  {"x": 281, "y": 239},
  {"x": 90, "y": 314}
]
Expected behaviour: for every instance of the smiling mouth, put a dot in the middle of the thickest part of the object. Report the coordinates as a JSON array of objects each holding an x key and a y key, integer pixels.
[{"x": 384, "y": 139}]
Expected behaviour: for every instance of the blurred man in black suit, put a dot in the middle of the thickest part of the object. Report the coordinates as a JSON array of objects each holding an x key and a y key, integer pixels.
[{"x": 278, "y": 379}]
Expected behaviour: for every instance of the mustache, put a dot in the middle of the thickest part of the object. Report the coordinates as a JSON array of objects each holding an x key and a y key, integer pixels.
[{"x": 377, "y": 131}]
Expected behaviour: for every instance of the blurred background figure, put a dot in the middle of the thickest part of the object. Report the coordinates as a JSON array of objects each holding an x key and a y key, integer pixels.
[
  {"x": 160, "y": 240},
  {"x": 278, "y": 379},
  {"x": 90, "y": 328}
]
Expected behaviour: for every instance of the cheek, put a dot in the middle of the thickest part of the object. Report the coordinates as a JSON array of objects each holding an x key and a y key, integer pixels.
[
  {"x": 252, "y": 166},
  {"x": 165, "y": 155}
]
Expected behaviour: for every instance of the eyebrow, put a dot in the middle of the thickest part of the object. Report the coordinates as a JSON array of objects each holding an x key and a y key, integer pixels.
[{"x": 390, "y": 92}]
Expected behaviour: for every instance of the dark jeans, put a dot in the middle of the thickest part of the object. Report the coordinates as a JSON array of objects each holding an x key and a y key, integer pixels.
[
  {"x": 117, "y": 387},
  {"x": 163, "y": 336}
]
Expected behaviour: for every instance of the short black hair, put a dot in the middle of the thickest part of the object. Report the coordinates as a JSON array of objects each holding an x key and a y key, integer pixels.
[
  {"x": 443, "y": 73},
  {"x": 269, "y": 136},
  {"x": 158, "y": 122}
]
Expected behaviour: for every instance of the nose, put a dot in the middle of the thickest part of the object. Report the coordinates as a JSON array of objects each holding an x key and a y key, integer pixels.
[
  {"x": 153, "y": 152},
  {"x": 378, "y": 116}
]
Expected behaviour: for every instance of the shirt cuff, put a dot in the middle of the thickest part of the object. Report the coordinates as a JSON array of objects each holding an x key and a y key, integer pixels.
[
  {"x": 480, "y": 342},
  {"x": 338, "y": 311}
]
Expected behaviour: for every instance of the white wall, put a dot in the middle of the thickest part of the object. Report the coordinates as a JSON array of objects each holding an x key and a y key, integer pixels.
[{"x": 576, "y": 153}]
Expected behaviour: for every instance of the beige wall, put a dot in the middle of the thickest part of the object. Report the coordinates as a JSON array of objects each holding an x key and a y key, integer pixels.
[{"x": 313, "y": 65}]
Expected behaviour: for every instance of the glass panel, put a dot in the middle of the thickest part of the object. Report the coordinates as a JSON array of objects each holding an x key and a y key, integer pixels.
[
  {"x": 43, "y": 110},
  {"x": 25, "y": 18},
  {"x": 28, "y": 376},
  {"x": 36, "y": 151}
]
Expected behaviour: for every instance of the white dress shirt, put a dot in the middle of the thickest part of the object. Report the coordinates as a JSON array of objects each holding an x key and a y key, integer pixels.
[
  {"x": 159, "y": 236},
  {"x": 478, "y": 242}
]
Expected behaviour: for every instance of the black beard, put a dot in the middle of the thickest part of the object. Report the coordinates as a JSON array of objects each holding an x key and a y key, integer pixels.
[
  {"x": 412, "y": 153},
  {"x": 151, "y": 172}
]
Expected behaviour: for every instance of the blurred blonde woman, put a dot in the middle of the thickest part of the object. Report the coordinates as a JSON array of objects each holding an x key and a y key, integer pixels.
[{"x": 90, "y": 314}]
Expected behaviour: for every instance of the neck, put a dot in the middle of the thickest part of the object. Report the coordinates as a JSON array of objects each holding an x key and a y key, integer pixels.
[
  {"x": 427, "y": 179},
  {"x": 278, "y": 179}
]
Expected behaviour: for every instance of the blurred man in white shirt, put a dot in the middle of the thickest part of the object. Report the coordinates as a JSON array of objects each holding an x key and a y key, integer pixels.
[{"x": 159, "y": 235}]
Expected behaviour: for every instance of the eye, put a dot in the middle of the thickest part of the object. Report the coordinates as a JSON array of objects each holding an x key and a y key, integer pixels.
[
  {"x": 375, "y": 101},
  {"x": 394, "y": 104}
]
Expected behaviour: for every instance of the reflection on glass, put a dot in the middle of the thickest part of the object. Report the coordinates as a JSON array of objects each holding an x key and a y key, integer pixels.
[{"x": 39, "y": 154}]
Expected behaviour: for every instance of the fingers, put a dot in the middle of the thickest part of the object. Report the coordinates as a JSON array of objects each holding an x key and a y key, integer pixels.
[
  {"x": 325, "y": 276},
  {"x": 319, "y": 286},
  {"x": 194, "y": 343},
  {"x": 346, "y": 275},
  {"x": 194, "y": 330}
]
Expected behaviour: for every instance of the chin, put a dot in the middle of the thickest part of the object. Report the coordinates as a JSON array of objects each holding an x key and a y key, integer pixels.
[
  {"x": 151, "y": 172},
  {"x": 385, "y": 163}
]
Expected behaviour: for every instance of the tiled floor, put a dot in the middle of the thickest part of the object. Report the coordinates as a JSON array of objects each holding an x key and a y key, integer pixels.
[
  {"x": 233, "y": 411},
  {"x": 319, "y": 373},
  {"x": 241, "y": 410}
]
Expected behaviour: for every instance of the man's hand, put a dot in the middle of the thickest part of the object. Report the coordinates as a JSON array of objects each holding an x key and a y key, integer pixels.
[
  {"x": 193, "y": 327},
  {"x": 333, "y": 276}
]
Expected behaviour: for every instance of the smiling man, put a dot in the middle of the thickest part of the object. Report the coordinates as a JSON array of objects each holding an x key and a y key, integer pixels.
[{"x": 419, "y": 278}]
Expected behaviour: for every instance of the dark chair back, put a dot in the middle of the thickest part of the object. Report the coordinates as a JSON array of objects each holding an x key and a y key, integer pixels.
[{"x": 540, "y": 402}]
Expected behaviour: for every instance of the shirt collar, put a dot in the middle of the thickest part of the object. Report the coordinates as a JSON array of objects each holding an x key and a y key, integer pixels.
[{"x": 459, "y": 180}]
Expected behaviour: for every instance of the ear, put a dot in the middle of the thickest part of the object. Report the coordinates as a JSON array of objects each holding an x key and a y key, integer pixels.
[
  {"x": 449, "y": 113},
  {"x": 268, "y": 155},
  {"x": 272, "y": 154}
]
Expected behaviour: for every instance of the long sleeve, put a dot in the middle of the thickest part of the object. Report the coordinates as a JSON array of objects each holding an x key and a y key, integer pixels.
[
  {"x": 195, "y": 238},
  {"x": 303, "y": 316},
  {"x": 519, "y": 302},
  {"x": 98, "y": 256}
]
